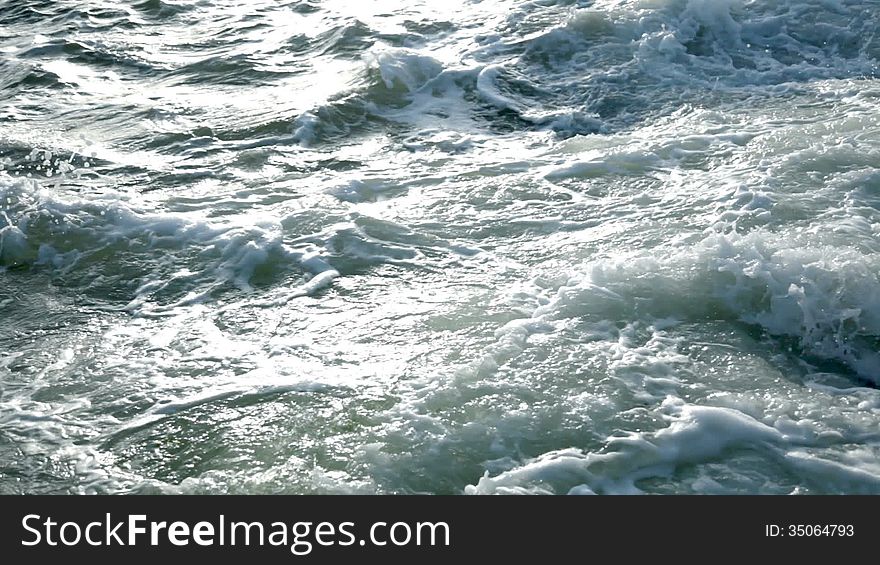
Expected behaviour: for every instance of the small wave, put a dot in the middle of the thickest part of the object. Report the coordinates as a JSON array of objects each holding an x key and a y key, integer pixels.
[
  {"x": 392, "y": 78},
  {"x": 176, "y": 259}
]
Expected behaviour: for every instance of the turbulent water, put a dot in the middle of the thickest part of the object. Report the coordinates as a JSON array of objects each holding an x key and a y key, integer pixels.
[{"x": 506, "y": 246}]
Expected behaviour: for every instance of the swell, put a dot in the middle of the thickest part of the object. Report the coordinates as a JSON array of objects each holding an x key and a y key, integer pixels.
[
  {"x": 150, "y": 260},
  {"x": 628, "y": 62}
]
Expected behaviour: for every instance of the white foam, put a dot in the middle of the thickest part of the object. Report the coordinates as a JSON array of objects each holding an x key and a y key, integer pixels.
[
  {"x": 695, "y": 434},
  {"x": 402, "y": 68}
]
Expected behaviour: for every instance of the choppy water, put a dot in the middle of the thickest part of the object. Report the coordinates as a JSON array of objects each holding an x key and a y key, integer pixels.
[{"x": 445, "y": 247}]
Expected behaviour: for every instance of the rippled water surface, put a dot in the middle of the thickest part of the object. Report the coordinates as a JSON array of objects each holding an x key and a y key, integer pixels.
[{"x": 440, "y": 247}]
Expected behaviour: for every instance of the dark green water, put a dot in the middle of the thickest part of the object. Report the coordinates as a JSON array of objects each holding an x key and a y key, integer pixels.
[{"x": 459, "y": 247}]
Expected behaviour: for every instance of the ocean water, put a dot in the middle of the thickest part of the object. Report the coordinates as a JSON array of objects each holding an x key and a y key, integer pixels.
[{"x": 459, "y": 247}]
